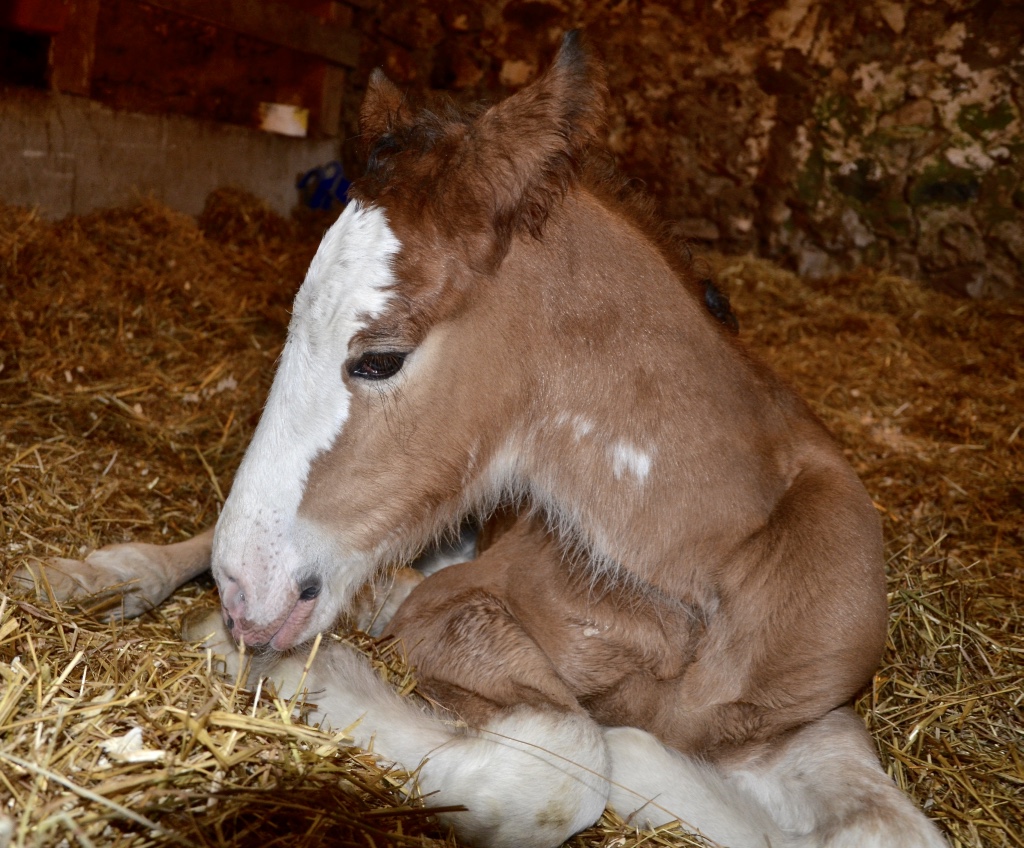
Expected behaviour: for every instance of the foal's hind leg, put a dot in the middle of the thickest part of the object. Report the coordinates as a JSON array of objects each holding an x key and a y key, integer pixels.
[
  {"x": 119, "y": 580},
  {"x": 652, "y": 785},
  {"x": 818, "y": 787},
  {"x": 825, "y": 780}
]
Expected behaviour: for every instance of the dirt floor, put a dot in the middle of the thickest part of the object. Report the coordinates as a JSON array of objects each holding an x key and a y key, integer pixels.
[{"x": 136, "y": 347}]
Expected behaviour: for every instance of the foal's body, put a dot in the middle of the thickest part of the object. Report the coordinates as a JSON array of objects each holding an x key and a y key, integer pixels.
[
  {"x": 758, "y": 530},
  {"x": 695, "y": 586}
]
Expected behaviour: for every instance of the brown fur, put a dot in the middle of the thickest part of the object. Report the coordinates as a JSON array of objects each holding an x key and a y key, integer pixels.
[
  {"x": 741, "y": 580},
  {"x": 563, "y": 637}
]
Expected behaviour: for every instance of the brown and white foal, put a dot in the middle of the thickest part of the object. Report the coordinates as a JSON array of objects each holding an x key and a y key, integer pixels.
[{"x": 693, "y": 590}]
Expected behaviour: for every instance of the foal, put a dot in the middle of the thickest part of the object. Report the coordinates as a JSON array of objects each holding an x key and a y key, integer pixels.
[{"x": 694, "y": 589}]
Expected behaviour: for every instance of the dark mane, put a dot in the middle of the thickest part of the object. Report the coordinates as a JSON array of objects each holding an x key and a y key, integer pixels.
[
  {"x": 480, "y": 176},
  {"x": 415, "y": 130},
  {"x": 602, "y": 178},
  {"x": 428, "y": 152}
]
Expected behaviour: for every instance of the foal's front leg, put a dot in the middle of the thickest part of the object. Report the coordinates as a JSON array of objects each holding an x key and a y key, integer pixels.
[
  {"x": 528, "y": 777},
  {"x": 119, "y": 580},
  {"x": 526, "y": 761}
]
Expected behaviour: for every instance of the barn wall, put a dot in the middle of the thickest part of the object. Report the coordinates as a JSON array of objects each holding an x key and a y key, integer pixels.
[
  {"x": 70, "y": 155},
  {"x": 111, "y": 99},
  {"x": 822, "y": 134}
]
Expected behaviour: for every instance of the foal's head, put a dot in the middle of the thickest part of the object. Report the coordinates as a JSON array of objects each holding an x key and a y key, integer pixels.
[{"x": 411, "y": 366}]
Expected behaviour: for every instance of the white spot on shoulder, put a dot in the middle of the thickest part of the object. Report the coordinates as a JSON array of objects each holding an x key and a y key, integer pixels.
[
  {"x": 628, "y": 458},
  {"x": 581, "y": 425}
]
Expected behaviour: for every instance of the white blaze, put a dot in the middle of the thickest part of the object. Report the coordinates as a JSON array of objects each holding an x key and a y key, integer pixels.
[{"x": 259, "y": 537}]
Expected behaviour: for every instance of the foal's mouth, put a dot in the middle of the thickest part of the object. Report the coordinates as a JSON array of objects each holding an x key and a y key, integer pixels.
[{"x": 281, "y": 634}]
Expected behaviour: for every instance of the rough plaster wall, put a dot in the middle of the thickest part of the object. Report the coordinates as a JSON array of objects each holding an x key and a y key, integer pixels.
[
  {"x": 69, "y": 155},
  {"x": 826, "y": 135}
]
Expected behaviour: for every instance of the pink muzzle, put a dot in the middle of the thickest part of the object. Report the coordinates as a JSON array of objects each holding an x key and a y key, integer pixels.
[{"x": 279, "y": 634}]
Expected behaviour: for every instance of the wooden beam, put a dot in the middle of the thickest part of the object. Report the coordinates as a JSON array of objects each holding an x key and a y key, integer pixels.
[
  {"x": 332, "y": 93},
  {"x": 275, "y": 23},
  {"x": 73, "y": 49}
]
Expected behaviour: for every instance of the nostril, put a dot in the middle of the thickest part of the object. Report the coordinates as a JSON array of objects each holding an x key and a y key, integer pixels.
[
  {"x": 232, "y": 597},
  {"x": 310, "y": 589}
]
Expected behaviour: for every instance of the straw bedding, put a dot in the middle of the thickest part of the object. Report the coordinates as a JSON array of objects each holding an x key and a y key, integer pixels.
[{"x": 136, "y": 347}]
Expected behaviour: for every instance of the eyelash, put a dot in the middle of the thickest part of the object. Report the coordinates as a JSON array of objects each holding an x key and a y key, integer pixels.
[{"x": 377, "y": 365}]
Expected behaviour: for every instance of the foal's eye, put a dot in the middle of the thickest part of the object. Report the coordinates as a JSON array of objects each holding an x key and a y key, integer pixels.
[{"x": 377, "y": 366}]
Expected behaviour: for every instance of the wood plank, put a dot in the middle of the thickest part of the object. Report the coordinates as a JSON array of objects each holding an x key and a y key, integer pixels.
[
  {"x": 275, "y": 23},
  {"x": 73, "y": 49},
  {"x": 331, "y": 95}
]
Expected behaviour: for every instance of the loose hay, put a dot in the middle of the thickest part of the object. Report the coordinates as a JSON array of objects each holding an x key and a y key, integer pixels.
[{"x": 135, "y": 352}]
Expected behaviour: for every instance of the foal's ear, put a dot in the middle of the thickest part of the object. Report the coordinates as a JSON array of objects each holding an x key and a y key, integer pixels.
[
  {"x": 535, "y": 142},
  {"x": 380, "y": 110}
]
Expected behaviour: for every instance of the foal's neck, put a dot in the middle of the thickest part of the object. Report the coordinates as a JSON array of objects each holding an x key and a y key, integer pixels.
[{"x": 641, "y": 403}]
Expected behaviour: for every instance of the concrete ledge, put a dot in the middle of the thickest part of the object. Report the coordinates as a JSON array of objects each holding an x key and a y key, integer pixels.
[{"x": 69, "y": 155}]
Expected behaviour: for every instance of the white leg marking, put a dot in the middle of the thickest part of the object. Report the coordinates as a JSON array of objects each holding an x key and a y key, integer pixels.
[
  {"x": 823, "y": 789},
  {"x": 653, "y": 785},
  {"x": 827, "y": 783},
  {"x": 529, "y": 779}
]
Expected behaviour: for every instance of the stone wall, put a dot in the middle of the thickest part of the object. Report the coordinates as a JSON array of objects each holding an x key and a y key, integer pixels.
[{"x": 821, "y": 134}]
